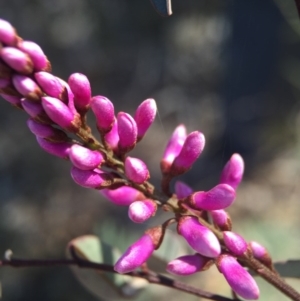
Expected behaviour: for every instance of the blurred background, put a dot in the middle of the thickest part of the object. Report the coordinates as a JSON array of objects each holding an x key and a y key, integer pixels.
[{"x": 228, "y": 68}]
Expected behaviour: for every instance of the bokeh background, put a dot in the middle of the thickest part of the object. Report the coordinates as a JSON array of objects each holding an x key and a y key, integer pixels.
[{"x": 228, "y": 68}]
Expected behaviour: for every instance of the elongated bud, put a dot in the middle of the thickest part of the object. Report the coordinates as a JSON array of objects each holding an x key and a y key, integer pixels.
[
  {"x": 173, "y": 148},
  {"x": 104, "y": 111},
  {"x": 219, "y": 197},
  {"x": 144, "y": 116},
  {"x": 112, "y": 137},
  {"x": 81, "y": 88},
  {"x": 188, "y": 265},
  {"x": 221, "y": 219},
  {"x": 233, "y": 171},
  {"x": 182, "y": 190},
  {"x": 27, "y": 87},
  {"x": 60, "y": 150},
  {"x": 235, "y": 243},
  {"x": 17, "y": 60},
  {"x": 140, "y": 211},
  {"x": 7, "y": 33},
  {"x": 91, "y": 178},
  {"x": 260, "y": 252},
  {"x": 200, "y": 238},
  {"x": 191, "y": 150},
  {"x": 36, "y": 54},
  {"x": 127, "y": 130},
  {"x": 60, "y": 113},
  {"x": 123, "y": 196},
  {"x": 84, "y": 158},
  {"x": 241, "y": 282},
  {"x": 14, "y": 100},
  {"x": 35, "y": 110},
  {"x": 46, "y": 131},
  {"x": 136, "y": 170}
]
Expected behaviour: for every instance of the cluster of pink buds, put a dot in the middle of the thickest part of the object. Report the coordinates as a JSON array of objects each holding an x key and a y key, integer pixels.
[{"x": 57, "y": 109}]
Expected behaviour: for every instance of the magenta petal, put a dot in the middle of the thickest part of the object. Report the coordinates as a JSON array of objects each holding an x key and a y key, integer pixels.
[
  {"x": 235, "y": 243},
  {"x": 182, "y": 190},
  {"x": 136, "y": 170},
  {"x": 127, "y": 130},
  {"x": 27, "y": 87},
  {"x": 219, "y": 197},
  {"x": 137, "y": 254},
  {"x": 200, "y": 238},
  {"x": 7, "y": 33},
  {"x": 140, "y": 211},
  {"x": 238, "y": 277},
  {"x": 60, "y": 150}
]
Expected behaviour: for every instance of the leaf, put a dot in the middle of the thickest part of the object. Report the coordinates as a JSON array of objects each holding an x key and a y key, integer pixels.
[
  {"x": 163, "y": 7},
  {"x": 288, "y": 269}
]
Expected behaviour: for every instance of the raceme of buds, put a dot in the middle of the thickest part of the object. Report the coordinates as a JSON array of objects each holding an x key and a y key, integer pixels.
[
  {"x": 140, "y": 211},
  {"x": 136, "y": 170},
  {"x": 182, "y": 190},
  {"x": 84, "y": 158},
  {"x": 127, "y": 130},
  {"x": 191, "y": 150},
  {"x": 200, "y": 238},
  {"x": 7, "y": 33},
  {"x": 144, "y": 116},
  {"x": 221, "y": 219},
  {"x": 241, "y": 282},
  {"x": 233, "y": 171},
  {"x": 235, "y": 243},
  {"x": 27, "y": 87},
  {"x": 104, "y": 112},
  {"x": 60, "y": 150},
  {"x": 219, "y": 197},
  {"x": 187, "y": 265}
]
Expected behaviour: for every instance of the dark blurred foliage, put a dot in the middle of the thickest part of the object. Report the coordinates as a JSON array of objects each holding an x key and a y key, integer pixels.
[{"x": 215, "y": 66}]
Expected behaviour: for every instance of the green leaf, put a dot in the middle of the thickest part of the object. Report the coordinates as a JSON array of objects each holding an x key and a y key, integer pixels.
[{"x": 288, "y": 269}]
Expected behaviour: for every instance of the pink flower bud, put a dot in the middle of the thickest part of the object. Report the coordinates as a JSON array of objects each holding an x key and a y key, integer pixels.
[
  {"x": 27, "y": 87},
  {"x": 241, "y": 282},
  {"x": 187, "y": 265},
  {"x": 81, "y": 89},
  {"x": 104, "y": 112},
  {"x": 191, "y": 150},
  {"x": 219, "y": 197},
  {"x": 261, "y": 253},
  {"x": 36, "y": 54},
  {"x": 84, "y": 158},
  {"x": 200, "y": 238},
  {"x": 60, "y": 150},
  {"x": 60, "y": 113},
  {"x": 7, "y": 33},
  {"x": 233, "y": 171},
  {"x": 182, "y": 190},
  {"x": 91, "y": 178},
  {"x": 140, "y": 211},
  {"x": 17, "y": 60},
  {"x": 173, "y": 148},
  {"x": 221, "y": 219},
  {"x": 35, "y": 110},
  {"x": 235, "y": 243},
  {"x": 112, "y": 137},
  {"x": 137, "y": 254},
  {"x": 127, "y": 130},
  {"x": 14, "y": 100},
  {"x": 50, "y": 84},
  {"x": 123, "y": 196},
  {"x": 144, "y": 116},
  {"x": 136, "y": 170}
]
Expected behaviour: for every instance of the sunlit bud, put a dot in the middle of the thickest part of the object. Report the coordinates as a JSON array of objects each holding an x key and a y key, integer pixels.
[
  {"x": 84, "y": 158},
  {"x": 36, "y": 54},
  {"x": 91, "y": 178},
  {"x": 112, "y": 137},
  {"x": 260, "y": 252},
  {"x": 235, "y": 243},
  {"x": 219, "y": 197},
  {"x": 200, "y": 238},
  {"x": 14, "y": 100},
  {"x": 104, "y": 111},
  {"x": 17, "y": 60},
  {"x": 182, "y": 190},
  {"x": 60, "y": 113},
  {"x": 46, "y": 131},
  {"x": 191, "y": 150},
  {"x": 136, "y": 170},
  {"x": 221, "y": 219},
  {"x": 241, "y": 282},
  {"x": 27, "y": 87},
  {"x": 50, "y": 84},
  {"x": 140, "y": 211},
  {"x": 173, "y": 148},
  {"x": 188, "y": 265},
  {"x": 81, "y": 89},
  {"x": 144, "y": 116},
  {"x": 60, "y": 150},
  {"x": 7, "y": 33},
  {"x": 127, "y": 130},
  {"x": 233, "y": 171},
  {"x": 123, "y": 196},
  {"x": 35, "y": 110}
]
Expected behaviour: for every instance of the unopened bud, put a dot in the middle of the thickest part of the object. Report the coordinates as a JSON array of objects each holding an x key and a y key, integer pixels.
[
  {"x": 182, "y": 190},
  {"x": 235, "y": 243},
  {"x": 221, "y": 219},
  {"x": 136, "y": 170},
  {"x": 127, "y": 130},
  {"x": 27, "y": 87},
  {"x": 60, "y": 150},
  {"x": 140, "y": 211}
]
